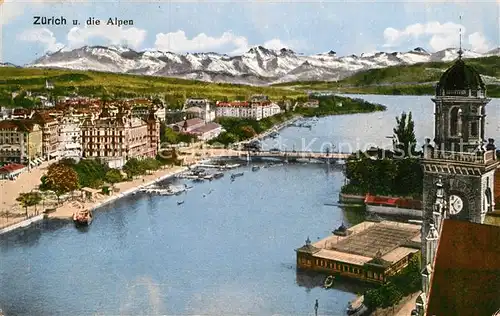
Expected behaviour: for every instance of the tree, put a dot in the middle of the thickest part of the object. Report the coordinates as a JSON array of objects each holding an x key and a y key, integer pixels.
[
  {"x": 157, "y": 101},
  {"x": 248, "y": 131},
  {"x": 168, "y": 135},
  {"x": 91, "y": 172},
  {"x": 29, "y": 199},
  {"x": 61, "y": 179},
  {"x": 133, "y": 168},
  {"x": 404, "y": 141},
  {"x": 113, "y": 176}
]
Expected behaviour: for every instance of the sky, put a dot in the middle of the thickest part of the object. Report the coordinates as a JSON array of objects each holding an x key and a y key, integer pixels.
[{"x": 233, "y": 27}]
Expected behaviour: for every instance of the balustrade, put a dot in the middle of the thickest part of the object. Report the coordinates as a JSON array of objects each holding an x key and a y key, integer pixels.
[{"x": 480, "y": 158}]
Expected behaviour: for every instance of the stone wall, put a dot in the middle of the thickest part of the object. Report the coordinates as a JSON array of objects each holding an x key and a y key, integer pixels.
[
  {"x": 389, "y": 210},
  {"x": 351, "y": 198}
]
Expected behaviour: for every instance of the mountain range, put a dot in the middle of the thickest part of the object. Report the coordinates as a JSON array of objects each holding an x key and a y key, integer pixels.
[{"x": 258, "y": 66}]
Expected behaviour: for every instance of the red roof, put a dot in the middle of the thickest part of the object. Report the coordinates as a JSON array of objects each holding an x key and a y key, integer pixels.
[
  {"x": 466, "y": 279},
  {"x": 233, "y": 104},
  {"x": 11, "y": 168},
  {"x": 393, "y": 201}
]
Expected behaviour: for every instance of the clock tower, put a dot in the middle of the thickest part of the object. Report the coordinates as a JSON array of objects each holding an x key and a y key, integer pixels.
[{"x": 459, "y": 167}]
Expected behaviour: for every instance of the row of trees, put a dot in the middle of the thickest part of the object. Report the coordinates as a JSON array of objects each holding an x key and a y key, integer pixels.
[
  {"x": 332, "y": 105},
  {"x": 67, "y": 175},
  {"x": 396, "y": 172},
  {"x": 238, "y": 129}
]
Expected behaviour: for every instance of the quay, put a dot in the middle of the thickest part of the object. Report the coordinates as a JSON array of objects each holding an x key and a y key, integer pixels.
[{"x": 369, "y": 251}]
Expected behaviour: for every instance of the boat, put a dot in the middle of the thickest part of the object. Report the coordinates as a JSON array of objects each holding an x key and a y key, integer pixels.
[
  {"x": 329, "y": 282},
  {"x": 255, "y": 168},
  {"x": 198, "y": 180},
  {"x": 218, "y": 175},
  {"x": 82, "y": 218},
  {"x": 356, "y": 307},
  {"x": 180, "y": 202},
  {"x": 341, "y": 231},
  {"x": 234, "y": 175},
  {"x": 209, "y": 177}
]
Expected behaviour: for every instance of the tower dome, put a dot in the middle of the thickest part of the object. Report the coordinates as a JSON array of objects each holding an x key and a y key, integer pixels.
[{"x": 460, "y": 79}]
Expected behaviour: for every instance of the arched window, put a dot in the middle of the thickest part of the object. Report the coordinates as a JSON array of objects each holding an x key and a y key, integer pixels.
[
  {"x": 455, "y": 121},
  {"x": 488, "y": 200}
]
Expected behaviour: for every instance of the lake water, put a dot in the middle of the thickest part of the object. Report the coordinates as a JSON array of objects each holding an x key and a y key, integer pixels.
[
  {"x": 230, "y": 252},
  {"x": 361, "y": 131}
]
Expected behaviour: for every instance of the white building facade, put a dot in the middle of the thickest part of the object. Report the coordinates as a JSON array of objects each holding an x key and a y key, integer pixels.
[
  {"x": 70, "y": 138},
  {"x": 250, "y": 110}
]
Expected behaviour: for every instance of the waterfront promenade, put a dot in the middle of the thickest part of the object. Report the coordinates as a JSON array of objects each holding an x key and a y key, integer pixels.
[{"x": 12, "y": 213}]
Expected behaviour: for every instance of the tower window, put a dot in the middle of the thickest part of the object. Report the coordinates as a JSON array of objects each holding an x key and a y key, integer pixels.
[
  {"x": 455, "y": 121},
  {"x": 473, "y": 129}
]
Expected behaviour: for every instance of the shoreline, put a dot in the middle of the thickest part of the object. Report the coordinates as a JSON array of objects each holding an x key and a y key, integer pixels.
[{"x": 66, "y": 210}]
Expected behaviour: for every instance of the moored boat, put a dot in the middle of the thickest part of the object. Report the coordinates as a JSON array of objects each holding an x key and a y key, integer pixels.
[
  {"x": 218, "y": 175},
  {"x": 82, "y": 217},
  {"x": 255, "y": 168},
  {"x": 356, "y": 307},
  {"x": 329, "y": 282}
]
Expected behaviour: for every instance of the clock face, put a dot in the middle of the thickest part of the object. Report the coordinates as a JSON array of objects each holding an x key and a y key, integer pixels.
[{"x": 456, "y": 204}]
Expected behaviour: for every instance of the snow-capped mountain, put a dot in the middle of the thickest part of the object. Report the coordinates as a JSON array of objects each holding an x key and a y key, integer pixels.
[
  {"x": 7, "y": 65},
  {"x": 257, "y": 66}
]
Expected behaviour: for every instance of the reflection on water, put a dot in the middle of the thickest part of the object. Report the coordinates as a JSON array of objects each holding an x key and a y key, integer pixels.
[
  {"x": 30, "y": 236},
  {"x": 311, "y": 280}
]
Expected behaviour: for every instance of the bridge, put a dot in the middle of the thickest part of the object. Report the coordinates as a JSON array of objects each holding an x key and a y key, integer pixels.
[
  {"x": 283, "y": 155},
  {"x": 296, "y": 154}
]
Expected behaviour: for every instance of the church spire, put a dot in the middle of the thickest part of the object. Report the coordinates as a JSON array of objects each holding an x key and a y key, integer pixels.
[{"x": 460, "y": 51}]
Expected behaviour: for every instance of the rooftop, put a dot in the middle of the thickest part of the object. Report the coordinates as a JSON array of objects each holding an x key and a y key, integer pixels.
[
  {"x": 466, "y": 277},
  {"x": 390, "y": 241},
  {"x": 206, "y": 128},
  {"x": 460, "y": 76}
]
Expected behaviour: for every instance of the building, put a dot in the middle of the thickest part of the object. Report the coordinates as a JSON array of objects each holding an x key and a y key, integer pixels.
[
  {"x": 187, "y": 125},
  {"x": 466, "y": 277},
  {"x": 196, "y": 126},
  {"x": 116, "y": 139},
  {"x": 202, "y": 103},
  {"x": 50, "y": 132},
  {"x": 20, "y": 113},
  {"x": 11, "y": 171},
  {"x": 208, "y": 131},
  {"x": 70, "y": 137},
  {"x": 458, "y": 168},
  {"x": 199, "y": 108},
  {"x": 245, "y": 109},
  {"x": 353, "y": 253},
  {"x": 259, "y": 98},
  {"x": 206, "y": 113},
  {"x": 144, "y": 111},
  {"x": 49, "y": 85},
  {"x": 20, "y": 142}
]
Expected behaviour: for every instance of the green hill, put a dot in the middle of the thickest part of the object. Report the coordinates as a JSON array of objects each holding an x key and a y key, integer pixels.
[
  {"x": 88, "y": 83},
  {"x": 417, "y": 79}
]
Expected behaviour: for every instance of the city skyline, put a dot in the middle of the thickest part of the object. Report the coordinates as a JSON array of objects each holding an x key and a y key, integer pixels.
[{"x": 233, "y": 28}]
